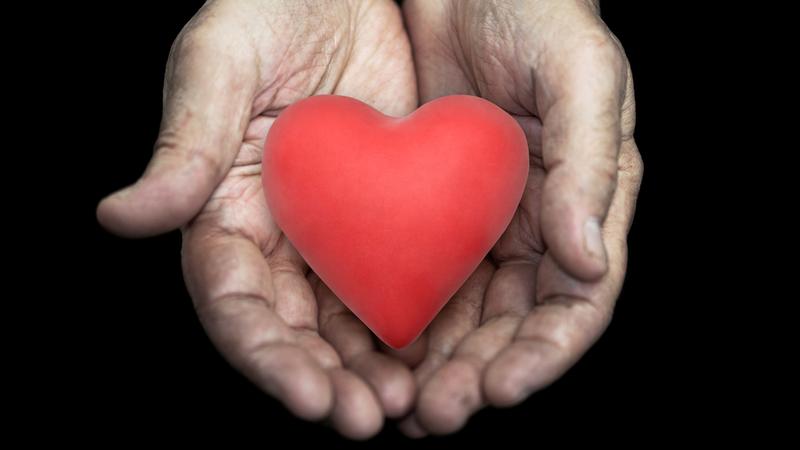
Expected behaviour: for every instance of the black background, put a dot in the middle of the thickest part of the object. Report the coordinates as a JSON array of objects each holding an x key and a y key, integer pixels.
[{"x": 143, "y": 366}]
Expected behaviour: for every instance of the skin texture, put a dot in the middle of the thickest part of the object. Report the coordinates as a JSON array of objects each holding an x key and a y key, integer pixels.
[
  {"x": 547, "y": 290},
  {"x": 231, "y": 71},
  {"x": 534, "y": 306}
]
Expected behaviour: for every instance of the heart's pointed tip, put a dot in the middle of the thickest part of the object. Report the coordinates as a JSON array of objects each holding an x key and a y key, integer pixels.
[
  {"x": 398, "y": 345},
  {"x": 399, "y": 341}
]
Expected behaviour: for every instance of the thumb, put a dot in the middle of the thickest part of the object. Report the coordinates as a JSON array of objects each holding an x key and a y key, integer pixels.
[
  {"x": 580, "y": 96},
  {"x": 208, "y": 91}
]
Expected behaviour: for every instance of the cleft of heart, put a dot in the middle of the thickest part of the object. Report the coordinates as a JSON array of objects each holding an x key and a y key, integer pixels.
[{"x": 394, "y": 214}]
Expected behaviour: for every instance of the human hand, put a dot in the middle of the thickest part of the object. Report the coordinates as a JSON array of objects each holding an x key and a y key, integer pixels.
[
  {"x": 548, "y": 288},
  {"x": 231, "y": 71}
]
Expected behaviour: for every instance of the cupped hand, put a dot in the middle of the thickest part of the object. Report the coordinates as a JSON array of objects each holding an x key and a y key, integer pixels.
[
  {"x": 231, "y": 71},
  {"x": 548, "y": 288}
]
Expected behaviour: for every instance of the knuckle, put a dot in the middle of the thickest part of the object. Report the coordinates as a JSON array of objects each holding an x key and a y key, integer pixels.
[
  {"x": 172, "y": 148},
  {"x": 205, "y": 34},
  {"x": 603, "y": 50},
  {"x": 169, "y": 149},
  {"x": 188, "y": 40},
  {"x": 209, "y": 163},
  {"x": 602, "y": 44},
  {"x": 202, "y": 47},
  {"x": 193, "y": 42}
]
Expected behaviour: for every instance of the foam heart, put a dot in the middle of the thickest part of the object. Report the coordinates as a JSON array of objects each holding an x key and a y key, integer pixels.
[{"x": 394, "y": 214}]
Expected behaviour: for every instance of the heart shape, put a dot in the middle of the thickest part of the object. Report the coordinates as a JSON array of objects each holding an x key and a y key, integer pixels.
[{"x": 394, "y": 214}]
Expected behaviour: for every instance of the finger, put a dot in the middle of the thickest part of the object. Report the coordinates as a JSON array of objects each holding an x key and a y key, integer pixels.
[
  {"x": 571, "y": 314},
  {"x": 386, "y": 84},
  {"x": 511, "y": 290},
  {"x": 437, "y": 75},
  {"x": 296, "y": 303},
  {"x": 356, "y": 412},
  {"x": 454, "y": 392},
  {"x": 579, "y": 91},
  {"x": 209, "y": 88},
  {"x": 231, "y": 286},
  {"x": 389, "y": 378}
]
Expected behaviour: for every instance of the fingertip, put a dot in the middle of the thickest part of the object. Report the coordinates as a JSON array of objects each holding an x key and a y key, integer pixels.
[
  {"x": 292, "y": 376},
  {"x": 449, "y": 398},
  {"x": 507, "y": 378},
  {"x": 111, "y": 214},
  {"x": 391, "y": 380},
  {"x": 313, "y": 397},
  {"x": 104, "y": 212},
  {"x": 356, "y": 413},
  {"x": 156, "y": 203},
  {"x": 397, "y": 394}
]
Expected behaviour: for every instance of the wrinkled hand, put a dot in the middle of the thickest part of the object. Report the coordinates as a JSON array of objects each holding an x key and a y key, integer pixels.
[
  {"x": 548, "y": 289},
  {"x": 231, "y": 71}
]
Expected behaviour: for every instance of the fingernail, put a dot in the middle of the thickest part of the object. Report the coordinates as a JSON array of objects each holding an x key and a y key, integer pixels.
[{"x": 593, "y": 239}]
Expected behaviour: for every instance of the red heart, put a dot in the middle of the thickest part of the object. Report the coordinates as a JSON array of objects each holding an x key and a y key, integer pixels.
[{"x": 394, "y": 214}]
